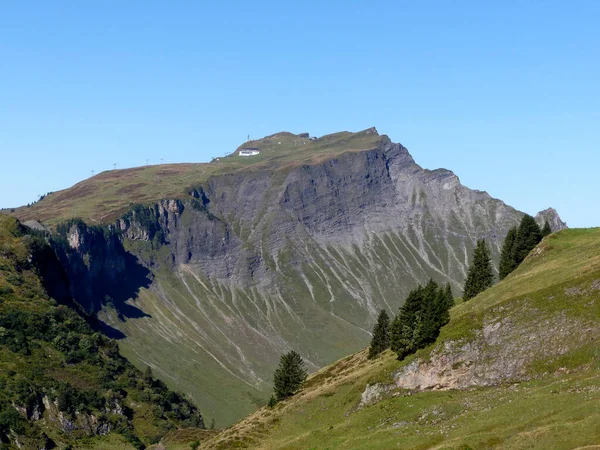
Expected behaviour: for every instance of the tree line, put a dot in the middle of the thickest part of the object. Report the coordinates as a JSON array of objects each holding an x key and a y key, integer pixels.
[
  {"x": 519, "y": 242},
  {"x": 424, "y": 312},
  {"x": 426, "y": 308}
]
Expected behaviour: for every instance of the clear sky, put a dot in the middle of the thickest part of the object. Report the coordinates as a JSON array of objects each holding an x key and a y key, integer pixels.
[{"x": 507, "y": 95}]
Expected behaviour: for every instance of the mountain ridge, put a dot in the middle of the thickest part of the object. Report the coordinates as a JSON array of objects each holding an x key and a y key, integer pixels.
[{"x": 250, "y": 263}]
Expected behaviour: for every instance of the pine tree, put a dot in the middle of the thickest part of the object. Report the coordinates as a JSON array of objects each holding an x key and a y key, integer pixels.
[
  {"x": 433, "y": 306},
  {"x": 546, "y": 230},
  {"x": 449, "y": 299},
  {"x": 404, "y": 337},
  {"x": 289, "y": 376},
  {"x": 508, "y": 259},
  {"x": 480, "y": 275},
  {"x": 447, "y": 302},
  {"x": 381, "y": 335},
  {"x": 418, "y": 323},
  {"x": 405, "y": 328},
  {"x": 528, "y": 236}
]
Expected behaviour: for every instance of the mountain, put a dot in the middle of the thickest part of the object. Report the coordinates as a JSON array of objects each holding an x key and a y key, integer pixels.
[
  {"x": 208, "y": 272},
  {"x": 60, "y": 382},
  {"x": 517, "y": 367}
]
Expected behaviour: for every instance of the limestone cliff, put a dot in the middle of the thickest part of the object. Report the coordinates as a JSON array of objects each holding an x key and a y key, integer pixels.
[{"x": 211, "y": 288}]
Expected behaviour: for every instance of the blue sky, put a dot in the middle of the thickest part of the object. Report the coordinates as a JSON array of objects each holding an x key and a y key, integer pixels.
[{"x": 507, "y": 95}]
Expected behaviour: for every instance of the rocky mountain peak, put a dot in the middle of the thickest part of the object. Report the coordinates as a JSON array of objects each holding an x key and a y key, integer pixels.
[{"x": 551, "y": 215}]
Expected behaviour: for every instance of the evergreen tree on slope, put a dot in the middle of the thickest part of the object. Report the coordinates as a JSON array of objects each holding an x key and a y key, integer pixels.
[
  {"x": 480, "y": 275},
  {"x": 289, "y": 376},
  {"x": 406, "y": 327},
  {"x": 449, "y": 303},
  {"x": 508, "y": 259},
  {"x": 418, "y": 323},
  {"x": 546, "y": 230},
  {"x": 381, "y": 335},
  {"x": 528, "y": 236}
]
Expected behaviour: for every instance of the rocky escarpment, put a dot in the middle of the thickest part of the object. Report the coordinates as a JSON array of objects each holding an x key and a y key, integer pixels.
[
  {"x": 549, "y": 333},
  {"x": 254, "y": 263},
  {"x": 551, "y": 216},
  {"x": 502, "y": 351}
]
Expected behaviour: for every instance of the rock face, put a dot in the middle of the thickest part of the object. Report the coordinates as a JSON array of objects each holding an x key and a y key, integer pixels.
[
  {"x": 554, "y": 220},
  {"x": 505, "y": 348},
  {"x": 255, "y": 263}
]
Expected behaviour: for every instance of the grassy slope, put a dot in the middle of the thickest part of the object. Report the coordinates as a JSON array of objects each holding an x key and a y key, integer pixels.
[
  {"x": 35, "y": 363},
  {"x": 178, "y": 340},
  {"x": 106, "y": 196},
  {"x": 171, "y": 339},
  {"x": 558, "y": 406}
]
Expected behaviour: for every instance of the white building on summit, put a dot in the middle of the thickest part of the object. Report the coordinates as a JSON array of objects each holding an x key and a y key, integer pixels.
[{"x": 248, "y": 151}]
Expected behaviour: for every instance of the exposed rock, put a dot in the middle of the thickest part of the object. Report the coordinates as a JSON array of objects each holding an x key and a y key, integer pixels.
[
  {"x": 550, "y": 215},
  {"x": 33, "y": 412},
  {"x": 373, "y": 393},
  {"x": 81, "y": 424},
  {"x": 35, "y": 225},
  {"x": 502, "y": 351}
]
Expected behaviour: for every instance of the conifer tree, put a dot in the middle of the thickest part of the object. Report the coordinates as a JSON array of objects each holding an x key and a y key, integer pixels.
[
  {"x": 381, "y": 335},
  {"x": 289, "y": 376},
  {"x": 446, "y": 301},
  {"x": 433, "y": 306},
  {"x": 480, "y": 275},
  {"x": 406, "y": 326},
  {"x": 508, "y": 259},
  {"x": 546, "y": 230},
  {"x": 528, "y": 236},
  {"x": 418, "y": 323}
]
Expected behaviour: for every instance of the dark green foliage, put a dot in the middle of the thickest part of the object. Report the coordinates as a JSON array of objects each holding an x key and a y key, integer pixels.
[
  {"x": 519, "y": 242},
  {"x": 449, "y": 303},
  {"x": 480, "y": 275},
  {"x": 508, "y": 259},
  {"x": 194, "y": 445},
  {"x": 418, "y": 323},
  {"x": 528, "y": 236},
  {"x": 272, "y": 401},
  {"x": 55, "y": 353},
  {"x": 289, "y": 376},
  {"x": 146, "y": 217},
  {"x": 546, "y": 230},
  {"x": 10, "y": 419},
  {"x": 381, "y": 335},
  {"x": 70, "y": 400}
]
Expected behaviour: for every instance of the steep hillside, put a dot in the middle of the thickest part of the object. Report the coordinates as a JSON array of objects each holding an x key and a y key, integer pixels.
[
  {"x": 517, "y": 367},
  {"x": 230, "y": 264},
  {"x": 60, "y": 382}
]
